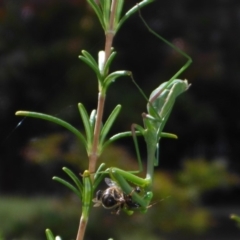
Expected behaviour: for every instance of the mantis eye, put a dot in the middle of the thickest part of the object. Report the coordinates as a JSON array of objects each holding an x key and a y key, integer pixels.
[{"x": 109, "y": 201}]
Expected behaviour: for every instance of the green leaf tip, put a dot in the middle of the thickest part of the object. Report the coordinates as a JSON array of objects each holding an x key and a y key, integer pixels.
[
  {"x": 49, "y": 234},
  {"x": 21, "y": 113},
  {"x": 235, "y": 217},
  {"x": 169, "y": 135}
]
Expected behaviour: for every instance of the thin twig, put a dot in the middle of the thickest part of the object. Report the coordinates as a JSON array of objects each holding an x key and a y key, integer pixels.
[
  {"x": 101, "y": 97},
  {"x": 82, "y": 228},
  {"x": 110, "y": 32},
  {"x": 101, "y": 101},
  {"x": 94, "y": 156}
]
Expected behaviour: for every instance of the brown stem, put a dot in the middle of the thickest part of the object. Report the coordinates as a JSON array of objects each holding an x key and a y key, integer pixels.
[
  {"x": 94, "y": 155},
  {"x": 110, "y": 32},
  {"x": 101, "y": 97},
  {"x": 82, "y": 228}
]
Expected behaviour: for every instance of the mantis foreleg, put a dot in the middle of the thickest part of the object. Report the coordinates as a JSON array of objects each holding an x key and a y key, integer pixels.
[{"x": 122, "y": 178}]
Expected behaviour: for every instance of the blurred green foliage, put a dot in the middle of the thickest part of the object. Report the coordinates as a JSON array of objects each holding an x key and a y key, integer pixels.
[
  {"x": 27, "y": 218},
  {"x": 236, "y": 218}
]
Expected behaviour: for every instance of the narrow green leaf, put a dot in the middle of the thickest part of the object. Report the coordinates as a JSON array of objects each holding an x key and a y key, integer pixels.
[
  {"x": 98, "y": 12},
  {"x": 118, "y": 13},
  {"x": 87, "y": 194},
  {"x": 102, "y": 165},
  {"x": 69, "y": 185},
  {"x": 74, "y": 178},
  {"x": 49, "y": 234},
  {"x": 91, "y": 65},
  {"x": 108, "y": 124},
  {"x": 86, "y": 123},
  {"x": 134, "y": 9},
  {"x": 118, "y": 136},
  {"x": 138, "y": 133},
  {"x": 90, "y": 58},
  {"x": 98, "y": 176},
  {"x": 55, "y": 120},
  {"x": 168, "y": 135},
  {"x": 112, "y": 77},
  {"x": 108, "y": 63},
  {"x": 106, "y": 13}
]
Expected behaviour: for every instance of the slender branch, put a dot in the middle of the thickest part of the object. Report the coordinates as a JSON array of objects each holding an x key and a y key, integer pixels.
[
  {"x": 94, "y": 155},
  {"x": 110, "y": 32},
  {"x": 101, "y": 96},
  {"x": 82, "y": 228}
]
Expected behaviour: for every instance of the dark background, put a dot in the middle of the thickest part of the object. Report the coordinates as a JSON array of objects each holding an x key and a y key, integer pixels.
[
  {"x": 40, "y": 42},
  {"x": 40, "y": 71}
]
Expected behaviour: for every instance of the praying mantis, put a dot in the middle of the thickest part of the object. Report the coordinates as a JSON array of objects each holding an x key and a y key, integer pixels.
[{"x": 159, "y": 106}]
